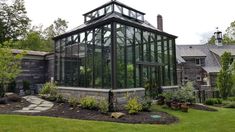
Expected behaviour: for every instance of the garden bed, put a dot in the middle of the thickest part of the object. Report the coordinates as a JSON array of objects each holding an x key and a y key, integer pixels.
[
  {"x": 12, "y": 106},
  {"x": 65, "y": 111}
]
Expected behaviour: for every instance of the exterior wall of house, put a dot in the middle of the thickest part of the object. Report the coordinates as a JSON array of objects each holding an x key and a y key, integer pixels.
[
  {"x": 191, "y": 72},
  {"x": 33, "y": 72}
]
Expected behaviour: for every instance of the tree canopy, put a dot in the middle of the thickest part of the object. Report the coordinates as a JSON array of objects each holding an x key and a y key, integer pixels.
[
  {"x": 15, "y": 29},
  {"x": 14, "y": 22}
]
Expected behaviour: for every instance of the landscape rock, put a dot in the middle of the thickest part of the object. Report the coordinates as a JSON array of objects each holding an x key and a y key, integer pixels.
[{"x": 117, "y": 115}]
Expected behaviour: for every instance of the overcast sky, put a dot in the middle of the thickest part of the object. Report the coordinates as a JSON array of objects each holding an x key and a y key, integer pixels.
[{"x": 191, "y": 20}]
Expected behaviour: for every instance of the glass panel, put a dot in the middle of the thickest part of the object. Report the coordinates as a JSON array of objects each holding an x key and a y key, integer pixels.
[
  {"x": 138, "y": 55},
  {"x": 106, "y": 56},
  {"x": 98, "y": 59},
  {"x": 81, "y": 60},
  {"x": 108, "y": 8},
  {"x": 129, "y": 56},
  {"x": 89, "y": 59},
  {"x": 117, "y": 9},
  {"x": 121, "y": 68},
  {"x": 101, "y": 12},
  {"x": 126, "y": 11}
]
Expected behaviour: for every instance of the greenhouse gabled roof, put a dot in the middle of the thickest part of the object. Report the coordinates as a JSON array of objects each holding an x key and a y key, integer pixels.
[{"x": 114, "y": 17}]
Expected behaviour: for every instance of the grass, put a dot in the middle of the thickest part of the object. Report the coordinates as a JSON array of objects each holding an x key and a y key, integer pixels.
[{"x": 194, "y": 121}]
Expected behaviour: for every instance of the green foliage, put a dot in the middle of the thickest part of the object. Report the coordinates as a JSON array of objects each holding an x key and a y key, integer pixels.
[
  {"x": 212, "y": 101},
  {"x": 224, "y": 79},
  {"x": 88, "y": 103},
  {"x": 60, "y": 98},
  {"x": 10, "y": 67},
  {"x": 73, "y": 102},
  {"x": 13, "y": 21},
  {"x": 184, "y": 94},
  {"x": 231, "y": 99},
  {"x": 133, "y": 106},
  {"x": 146, "y": 105},
  {"x": 230, "y": 105},
  {"x": 103, "y": 106},
  {"x": 49, "y": 88}
]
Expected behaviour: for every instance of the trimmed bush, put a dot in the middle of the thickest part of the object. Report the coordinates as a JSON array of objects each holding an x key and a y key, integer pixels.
[
  {"x": 133, "y": 106},
  {"x": 103, "y": 106},
  {"x": 88, "y": 103},
  {"x": 73, "y": 102}
]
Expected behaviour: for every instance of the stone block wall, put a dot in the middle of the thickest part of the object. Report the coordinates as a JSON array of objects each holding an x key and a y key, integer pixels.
[
  {"x": 121, "y": 96},
  {"x": 118, "y": 98}
]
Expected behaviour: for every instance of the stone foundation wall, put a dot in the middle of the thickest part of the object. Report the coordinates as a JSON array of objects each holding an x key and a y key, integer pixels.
[{"x": 118, "y": 97}]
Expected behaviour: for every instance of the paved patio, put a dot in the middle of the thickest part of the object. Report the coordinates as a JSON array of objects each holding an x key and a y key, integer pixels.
[{"x": 37, "y": 105}]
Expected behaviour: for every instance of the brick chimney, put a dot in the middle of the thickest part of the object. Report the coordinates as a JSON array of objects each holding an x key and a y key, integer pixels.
[{"x": 159, "y": 22}]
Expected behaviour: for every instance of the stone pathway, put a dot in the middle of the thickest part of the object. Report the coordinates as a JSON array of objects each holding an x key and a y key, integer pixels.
[{"x": 37, "y": 105}]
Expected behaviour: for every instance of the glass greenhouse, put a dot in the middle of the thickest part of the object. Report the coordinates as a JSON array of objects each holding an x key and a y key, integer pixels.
[{"x": 115, "y": 48}]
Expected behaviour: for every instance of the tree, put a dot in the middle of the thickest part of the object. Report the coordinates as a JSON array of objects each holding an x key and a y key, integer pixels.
[
  {"x": 228, "y": 37},
  {"x": 9, "y": 67},
  {"x": 224, "y": 79},
  {"x": 13, "y": 21},
  {"x": 58, "y": 27}
]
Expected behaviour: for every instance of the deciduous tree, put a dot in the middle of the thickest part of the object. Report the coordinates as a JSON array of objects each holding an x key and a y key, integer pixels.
[
  {"x": 224, "y": 78},
  {"x": 9, "y": 67}
]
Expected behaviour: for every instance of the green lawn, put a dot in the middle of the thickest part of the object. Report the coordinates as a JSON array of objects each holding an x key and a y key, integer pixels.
[{"x": 194, "y": 121}]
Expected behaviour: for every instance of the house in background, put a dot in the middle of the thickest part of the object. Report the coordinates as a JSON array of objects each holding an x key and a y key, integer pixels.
[
  {"x": 37, "y": 67},
  {"x": 201, "y": 63}
]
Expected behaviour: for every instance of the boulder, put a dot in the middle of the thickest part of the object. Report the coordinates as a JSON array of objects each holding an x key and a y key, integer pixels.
[
  {"x": 13, "y": 97},
  {"x": 117, "y": 115}
]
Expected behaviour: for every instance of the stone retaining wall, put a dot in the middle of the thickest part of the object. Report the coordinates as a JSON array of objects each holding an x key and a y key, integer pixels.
[{"x": 118, "y": 97}]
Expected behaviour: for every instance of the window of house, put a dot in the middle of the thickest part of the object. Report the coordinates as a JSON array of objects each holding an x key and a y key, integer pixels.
[
  {"x": 199, "y": 78},
  {"x": 198, "y": 62}
]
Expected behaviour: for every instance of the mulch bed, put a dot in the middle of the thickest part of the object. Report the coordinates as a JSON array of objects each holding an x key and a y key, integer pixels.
[
  {"x": 202, "y": 107},
  {"x": 65, "y": 111},
  {"x": 11, "y": 106}
]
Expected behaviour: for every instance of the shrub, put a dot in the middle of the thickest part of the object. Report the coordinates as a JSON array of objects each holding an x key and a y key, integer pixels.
[
  {"x": 103, "y": 106},
  {"x": 231, "y": 99},
  {"x": 49, "y": 88},
  {"x": 88, "y": 103},
  {"x": 212, "y": 101},
  {"x": 230, "y": 105},
  {"x": 146, "y": 105},
  {"x": 60, "y": 98},
  {"x": 133, "y": 106},
  {"x": 73, "y": 102}
]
